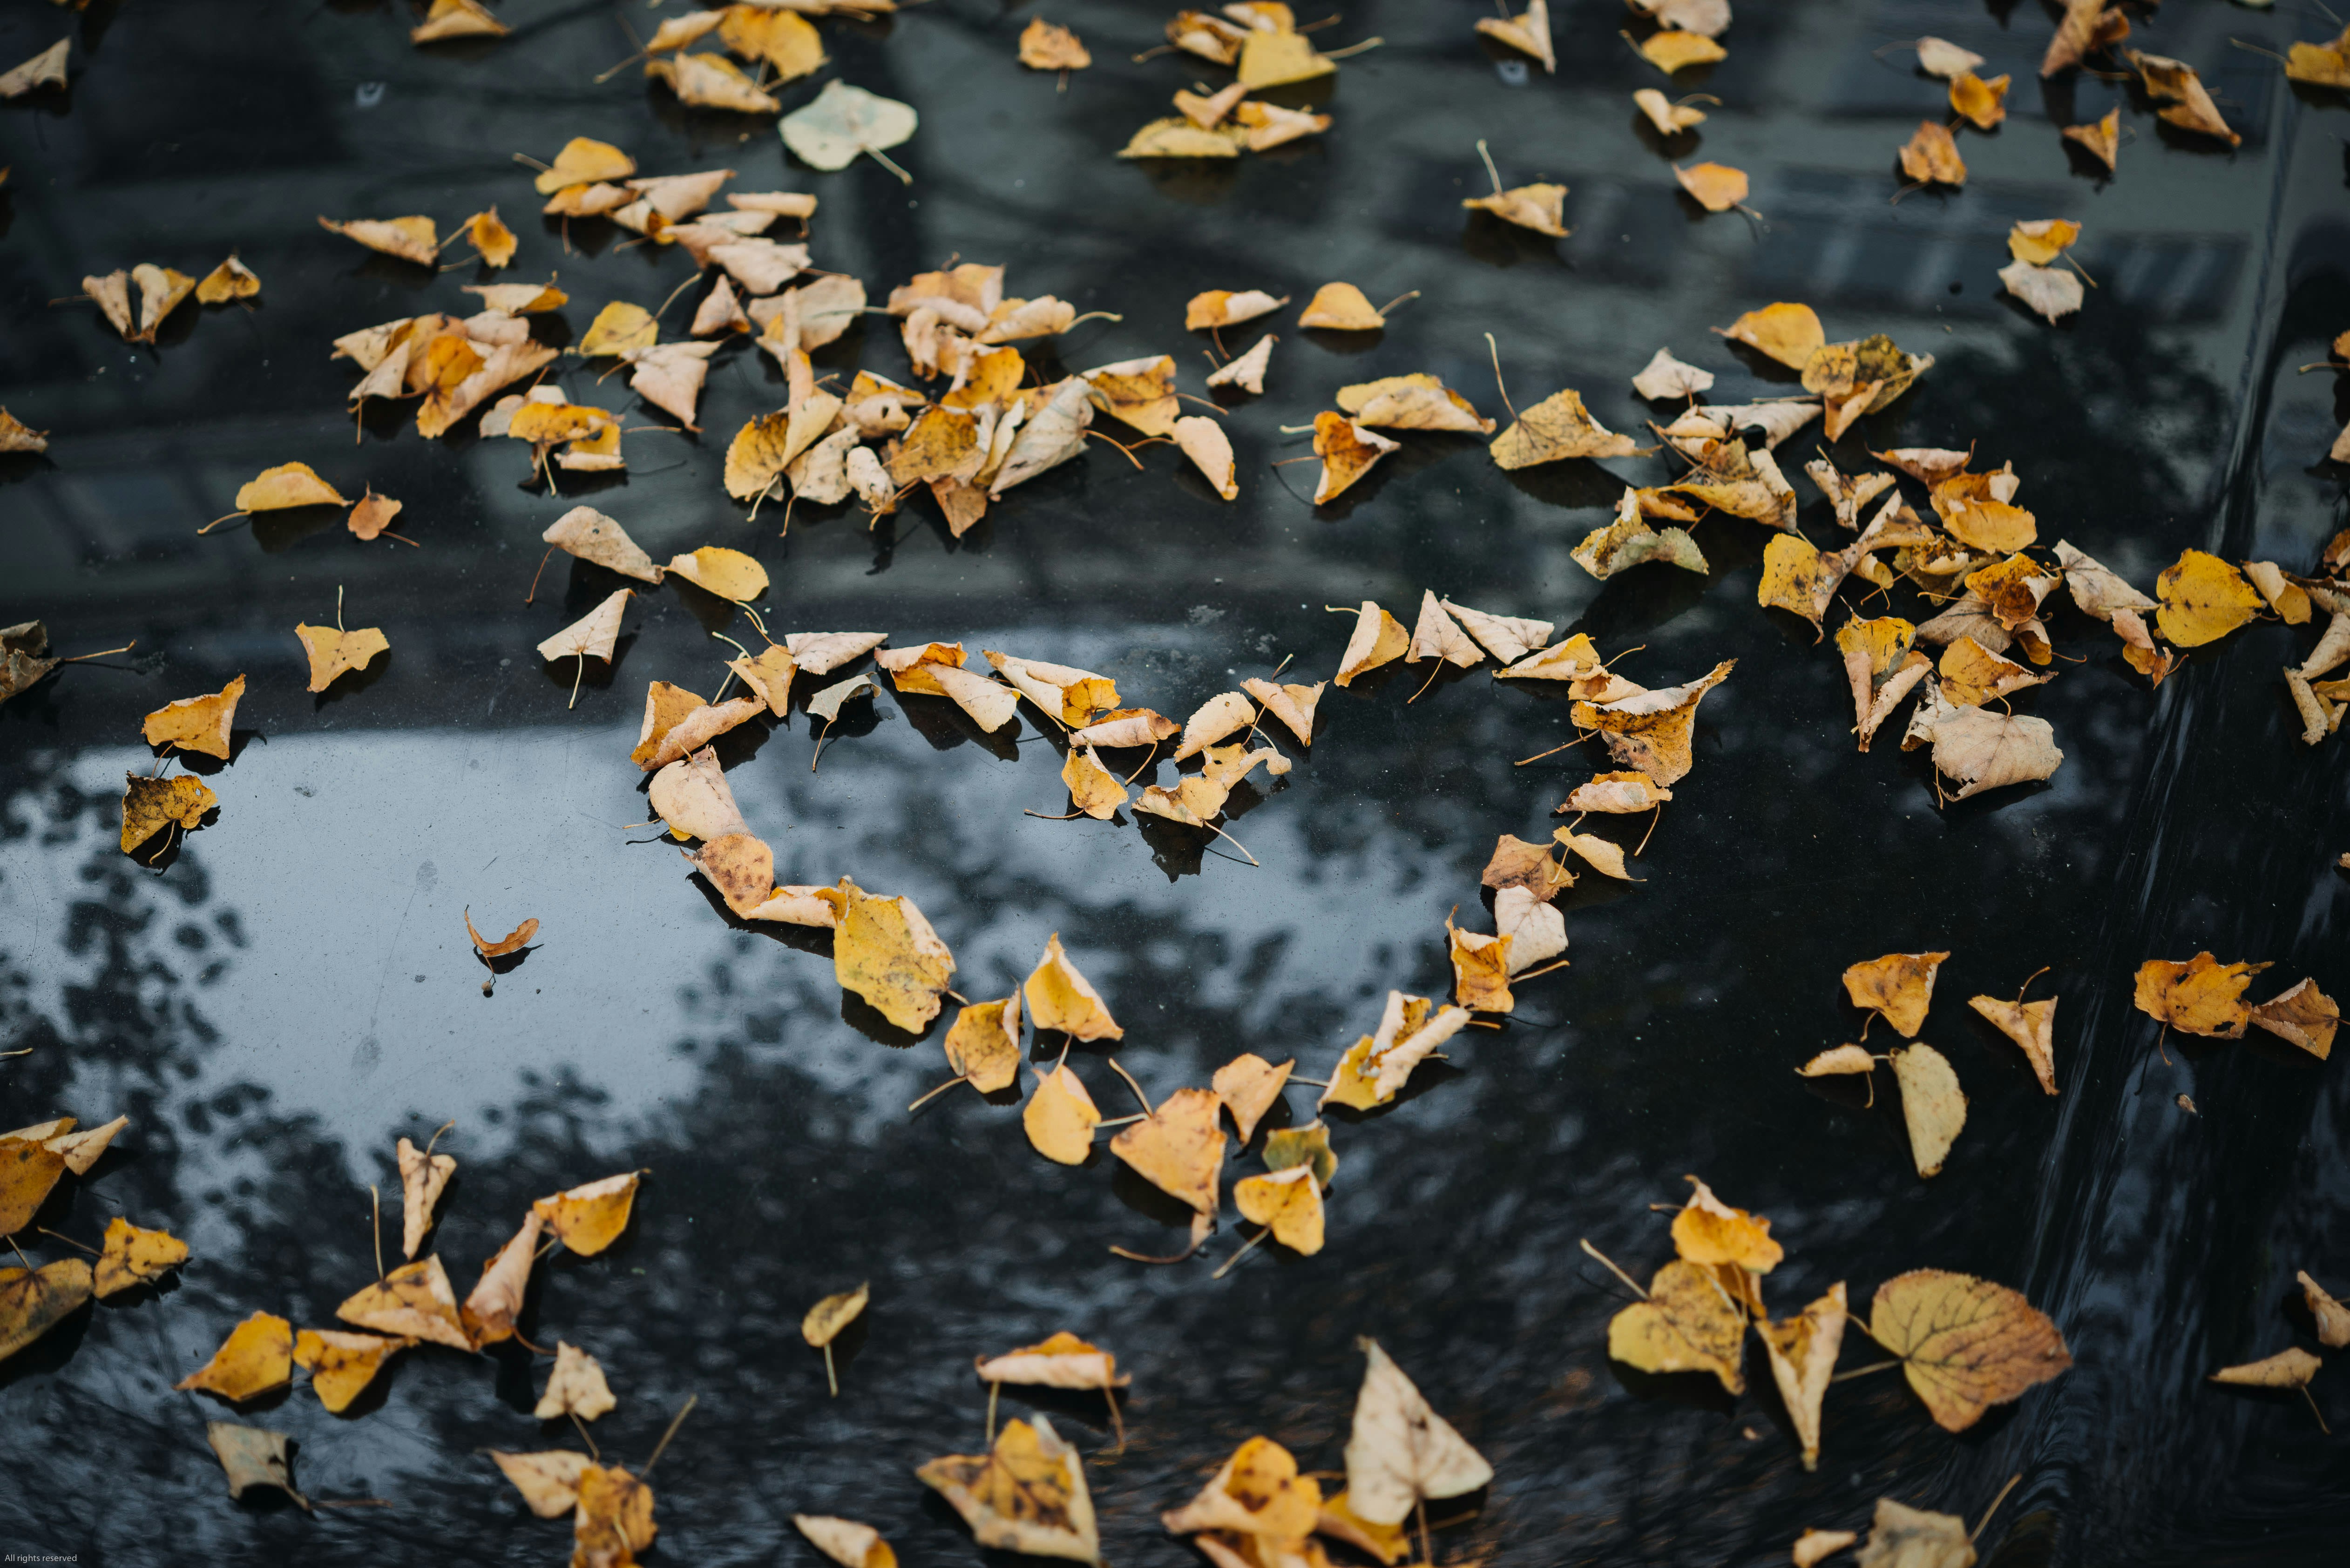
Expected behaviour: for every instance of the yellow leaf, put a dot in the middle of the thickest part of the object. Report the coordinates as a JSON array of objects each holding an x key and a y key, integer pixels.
[
  {"x": 885, "y": 951},
  {"x": 1179, "y": 1147},
  {"x": 1341, "y": 307},
  {"x": 983, "y": 1046},
  {"x": 342, "y": 1365},
  {"x": 846, "y": 1541},
  {"x": 1060, "y": 1117},
  {"x": 1673, "y": 51},
  {"x": 1983, "y": 104},
  {"x": 1277, "y": 58},
  {"x": 1093, "y": 788},
  {"x": 2101, "y": 138},
  {"x": 1027, "y": 1495},
  {"x": 1706, "y": 1232},
  {"x": 584, "y": 161},
  {"x": 1652, "y": 731},
  {"x": 1308, "y": 1145},
  {"x": 1258, "y": 1491},
  {"x": 411, "y": 239},
  {"x": 1248, "y": 1086},
  {"x": 412, "y": 1302},
  {"x": 729, "y": 573},
  {"x": 1932, "y": 157},
  {"x": 1965, "y": 1343},
  {"x": 1802, "y": 1352},
  {"x": 2286, "y": 1369},
  {"x": 35, "y": 1300},
  {"x": 423, "y": 1174},
  {"x": 1288, "y": 1203},
  {"x": 615, "y": 1518},
  {"x": 1789, "y": 333},
  {"x": 1932, "y": 1107},
  {"x": 1557, "y": 428},
  {"x": 1716, "y": 187},
  {"x": 2032, "y": 1025},
  {"x": 133, "y": 1256},
  {"x": 1481, "y": 970},
  {"x": 825, "y": 1320},
  {"x": 2041, "y": 241},
  {"x": 589, "y": 1218},
  {"x": 287, "y": 484},
  {"x": 1047, "y": 47},
  {"x": 334, "y": 652},
  {"x": 1688, "y": 1324},
  {"x": 575, "y": 1386},
  {"x": 1900, "y": 986},
  {"x": 2201, "y": 996},
  {"x": 149, "y": 803},
  {"x": 2203, "y": 599},
  {"x": 257, "y": 1355},
  {"x": 1064, "y": 1361},
  {"x": 789, "y": 42},
  {"x": 488, "y": 1315},
  {"x": 619, "y": 330},
  {"x": 548, "y": 1481},
  {"x": 1905, "y": 1537},
  {"x": 2304, "y": 1015},
  {"x": 1059, "y": 997}
]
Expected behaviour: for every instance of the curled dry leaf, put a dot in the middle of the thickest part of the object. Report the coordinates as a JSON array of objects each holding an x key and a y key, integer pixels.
[
  {"x": 1292, "y": 705},
  {"x": 1904, "y": 1537},
  {"x": 423, "y": 1176},
  {"x": 2175, "y": 84},
  {"x": 1064, "y": 1361},
  {"x": 411, "y": 239},
  {"x": 412, "y": 1302},
  {"x": 1815, "y": 1546},
  {"x": 1228, "y": 307},
  {"x": 2303, "y": 1015},
  {"x": 1377, "y": 1066},
  {"x": 1481, "y": 970},
  {"x": 1518, "y": 864},
  {"x": 825, "y": 1320},
  {"x": 1931, "y": 156},
  {"x": 2032, "y": 1025},
  {"x": 548, "y": 1481},
  {"x": 614, "y": 1520},
  {"x": 847, "y": 1541},
  {"x": 2333, "y": 1317},
  {"x": 1377, "y": 639},
  {"x": 1982, "y": 104},
  {"x": 1247, "y": 371},
  {"x": 512, "y": 941},
  {"x": 2286, "y": 1369},
  {"x": 1707, "y": 1231},
  {"x": 1883, "y": 665},
  {"x": 1615, "y": 794},
  {"x": 256, "y": 1356},
  {"x": 1059, "y": 997},
  {"x": 1417, "y": 401},
  {"x": 1670, "y": 119},
  {"x": 575, "y": 1386},
  {"x": 1802, "y": 1352},
  {"x": 1204, "y": 440},
  {"x": 1506, "y": 638},
  {"x": 1027, "y": 1494},
  {"x": 1348, "y": 451},
  {"x": 1965, "y": 1343},
  {"x": 1652, "y": 731},
  {"x": 1528, "y": 34},
  {"x": 488, "y": 1314},
  {"x": 1256, "y": 1493}
]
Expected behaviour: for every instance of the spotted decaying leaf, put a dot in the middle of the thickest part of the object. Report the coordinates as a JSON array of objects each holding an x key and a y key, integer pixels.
[
  {"x": 2286, "y": 1369},
  {"x": 1518, "y": 864},
  {"x": 1652, "y": 731},
  {"x": 1931, "y": 158},
  {"x": 1027, "y": 1494},
  {"x": 2202, "y": 600},
  {"x": 2201, "y": 996},
  {"x": 614, "y": 1519},
  {"x": 2321, "y": 65},
  {"x": 1481, "y": 970},
  {"x": 251, "y": 1456},
  {"x": 149, "y": 805},
  {"x": 129, "y": 1257},
  {"x": 2189, "y": 103},
  {"x": 1899, "y": 987},
  {"x": 342, "y": 1365},
  {"x": 412, "y": 1302},
  {"x": 1615, "y": 794},
  {"x": 1256, "y": 1493},
  {"x": 1965, "y": 1343},
  {"x": 1348, "y": 451},
  {"x": 2303, "y": 1015},
  {"x": 423, "y": 1177}
]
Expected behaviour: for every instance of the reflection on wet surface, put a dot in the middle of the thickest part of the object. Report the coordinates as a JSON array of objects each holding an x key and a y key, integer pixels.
[{"x": 290, "y": 989}]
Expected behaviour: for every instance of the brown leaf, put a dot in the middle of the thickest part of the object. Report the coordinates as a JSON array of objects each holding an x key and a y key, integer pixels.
[{"x": 1028, "y": 1494}]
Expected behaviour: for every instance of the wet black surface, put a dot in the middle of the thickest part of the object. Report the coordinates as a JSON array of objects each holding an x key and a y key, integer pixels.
[{"x": 279, "y": 998}]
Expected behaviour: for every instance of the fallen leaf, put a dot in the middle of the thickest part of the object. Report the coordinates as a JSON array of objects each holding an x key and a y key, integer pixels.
[
  {"x": 1292, "y": 705},
  {"x": 1377, "y": 639},
  {"x": 590, "y": 1217},
  {"x": 412, "y": 1302},
  {"x": 593, "y": 635},
  {"x": 1341, "y": 307},
  {"x": 457, "y": 19},
  {"x": 2201, "y": 996},
  {"x": 2286, "y": 1369},
  {"x": 615, "y": 1518},
  {"x": 1204, "y": 440},
  {"x": 1615, "y": 794},
  {"x": 148, "y": 804},
  {"x": 1437, "y": 635},
  {"x": 1676, "y": 51},
  {"x": 1982, "y": 104},
  {"x": 2175, "y": 83},
  {"x": 1269, "y": 125},
  {"x": 983, "y": 1046},
  {"x": 1814, "y": 1546},
  {"x": 1666, "y": 377},
  {"x": 2051, "y": 293},
  {"x": 131, "y": 1256},
  {"x": 1882, "y": 665},
  {"x": 1400, "y": 1452},
  {"x": 843, "y": 122},
  {"x": 1278, "y": 57},
  {"x": 1541, "y": 207},
  {"x": 2304, "y": 1015},
  {"x": 1528, "y": 34},
  {"x": 47, "y": 68},
  {"x": 548, "y": 1481},
  {"x": 251, "y": 1456},
  {"x": 1377, "y": 1066},
  {"x": 1838, "y": 1059},
  {"x": 1518, "y": 864},
  {"x": 1688, "y": 1324},
  {"x": 1898, "y": 986},
  {"x": 334, "y": 652},
  {"x": 1414, "y": 402},
  {"x": 1028, "y": 1494},
  {"x": 18, "y": 436},
  {"x": 1557, "y": 428},
  {"x": 342, "y": 1365},
  {"x": 423, "y": 1176},
  {"x": 256, "y": 1356},
  {"x": 1596, "y": 852},
  {"x": 1652, "y": 731},
  {"x": 1972, "y": 675},
  {"x": 1932, "y": 1107},
  {"x": 1060, "y": 1117},
  {"x": 2320, "y": 64},
  {"x": 1247, "y": 371},
  {"x": 1707, "y": 1231},
  {"x": 1228, "y": 307},
  {"x": 789, "y": 42},
  {"x": 161, "y": 290},
  {"x": 1965, "y": 1343},
  {"x": 1286, "y": 1203},
  {"x": 1930, "y": 157},
  {"x": 411, "y": 239},
  {"x": 488, "y": 1315},
  {"x": 2101, "y": 138},
  {"x": 1913, "y": 1538},
  {"x": 824, "y": 1321},
  {"x": 846, "y": 1541},
  {"x": 1481, "y": 970},
  {"x": 714, "y": 81},
  {"x": 1802, "y": 1352},
  {"x": 1348, "y": 451},
  {"x": 1179, "y": 1147},
  {"x": 887, "y": 953},
  {"x": 1258, "y": 1491},
  {"x": 1391, "y": 1543},
  {"x": 35, "y": 1300},
  {"x": 196, "y": 723},
  {"x": 1716, "y": 187},
  {"x": 1178, "y": 136},
  {"x": 1980, "y": 749},
  {"x": 1789, "y": 333},
  {"x": 1248, "y": 1086},
  {"x": 2203, "y": 598},
  {"x": 2031, "y": 1024},
  {"x": 1632, "y": 540},
  {"x": 512, "y": 941}
]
